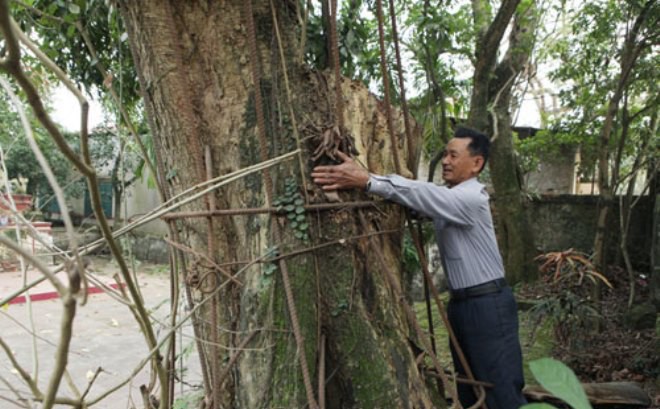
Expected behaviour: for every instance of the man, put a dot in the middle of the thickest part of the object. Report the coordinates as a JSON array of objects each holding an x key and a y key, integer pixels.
[{"x": 482, "y": 310}]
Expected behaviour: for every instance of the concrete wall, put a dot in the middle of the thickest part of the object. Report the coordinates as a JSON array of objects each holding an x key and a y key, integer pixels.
[
  {"x": 141, "y": 199},
  {"x": 569, "y": 221},
  {"x": 555, "y": 174}
]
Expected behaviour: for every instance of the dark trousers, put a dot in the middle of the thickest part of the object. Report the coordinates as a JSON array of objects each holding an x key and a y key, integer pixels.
[{"x": 486, "y": 327}]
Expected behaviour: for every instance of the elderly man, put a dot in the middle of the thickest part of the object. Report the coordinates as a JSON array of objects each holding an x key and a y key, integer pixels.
[{"x": 482, "y": 309}]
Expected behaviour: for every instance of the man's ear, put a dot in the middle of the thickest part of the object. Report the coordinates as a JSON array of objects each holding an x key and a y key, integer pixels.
[{"x": 478, "y": 163}]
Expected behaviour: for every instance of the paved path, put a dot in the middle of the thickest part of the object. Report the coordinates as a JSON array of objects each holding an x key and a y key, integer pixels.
[{"x": 105, "y": 335}]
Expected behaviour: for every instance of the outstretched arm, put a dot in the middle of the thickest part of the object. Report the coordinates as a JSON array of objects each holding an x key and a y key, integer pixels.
[{"x": 346, "y": 175}]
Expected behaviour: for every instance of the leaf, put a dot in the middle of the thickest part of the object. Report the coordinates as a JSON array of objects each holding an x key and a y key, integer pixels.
[
  {"x": 559, "y": 379},
  {"x": 74, "y": 8},
  {"x": 124, "y": 36},
  {"x": 269, "y": 269},
  {"x": 538, "y": 406},
  {"x": 171, "y": 174}
]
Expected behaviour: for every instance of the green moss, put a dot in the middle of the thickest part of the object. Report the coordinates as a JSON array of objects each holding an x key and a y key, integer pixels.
[
  {"x": 288, "y": 386},
  {"x": 368, "y": 378}
]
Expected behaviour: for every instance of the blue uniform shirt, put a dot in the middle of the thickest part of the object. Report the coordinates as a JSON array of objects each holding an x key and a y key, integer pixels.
[{"x": 463, "y": 225}]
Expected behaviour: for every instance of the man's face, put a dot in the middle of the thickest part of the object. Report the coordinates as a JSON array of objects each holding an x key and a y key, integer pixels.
[{"x": 458, "y": 164}]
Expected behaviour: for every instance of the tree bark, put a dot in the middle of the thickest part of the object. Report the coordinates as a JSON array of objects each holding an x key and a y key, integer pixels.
[
  {"x": 195, "y": 73},
  {"x": 490, "y": 111}
]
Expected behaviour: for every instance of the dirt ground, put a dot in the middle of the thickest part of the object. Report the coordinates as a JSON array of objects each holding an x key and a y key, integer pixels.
[{"x": 105, "y": 336}]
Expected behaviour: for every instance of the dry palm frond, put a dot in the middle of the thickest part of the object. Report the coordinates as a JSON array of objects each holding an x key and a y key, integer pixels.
[{"x": 570, "y": 263}]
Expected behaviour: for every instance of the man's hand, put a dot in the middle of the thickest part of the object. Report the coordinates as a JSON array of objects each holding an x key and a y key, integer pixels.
[{"x": 347, "y": 175}]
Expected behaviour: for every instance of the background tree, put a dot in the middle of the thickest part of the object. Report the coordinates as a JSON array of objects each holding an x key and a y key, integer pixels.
[
  {"x": 490, "y": 107},
  {"x": 607, "y": 92},
  {"x": 20, "y": 161}
]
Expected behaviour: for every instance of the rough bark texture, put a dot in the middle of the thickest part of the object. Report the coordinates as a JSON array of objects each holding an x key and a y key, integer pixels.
[
  {"x": 490, "y": 111},
  {"x": 194, "y": 71}
]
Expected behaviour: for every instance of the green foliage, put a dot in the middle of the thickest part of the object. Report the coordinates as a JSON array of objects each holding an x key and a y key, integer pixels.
[
  {"x": 20, "y": 161},
  {"x": 411, "y": 263},
  {"x": 292, "y": 203},
  {"x": 60, "y": 24},
  {"x": 547, "y": 144},
  {"x": 268, "y": 269},
  {"x": 357, "y": 34},
  {"x": 589, "y": 70},
  {"x": 559, "y": 380},
  {"x": 571, "y": 314},
  {"x": 441, "y": 40}
]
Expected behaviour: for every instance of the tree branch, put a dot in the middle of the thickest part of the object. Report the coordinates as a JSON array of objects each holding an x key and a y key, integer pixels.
[
  {"x": 34, "y": 388},
  {"x": 167, "y": 207},
  {"x": 489, "y": 44}
]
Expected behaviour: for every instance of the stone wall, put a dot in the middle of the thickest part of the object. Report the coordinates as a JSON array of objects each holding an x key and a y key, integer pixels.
[{"x": 561, "y": 222}]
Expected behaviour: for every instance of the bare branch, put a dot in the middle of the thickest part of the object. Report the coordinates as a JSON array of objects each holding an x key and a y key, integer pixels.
[
  {"x": 12, "y": 61},
  {"x": 21, "y": 371},
  {"x": 15, "y": 392}
]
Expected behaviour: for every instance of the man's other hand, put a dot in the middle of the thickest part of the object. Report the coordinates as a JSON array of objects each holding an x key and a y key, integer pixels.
[{"x": 346, "y": 175}]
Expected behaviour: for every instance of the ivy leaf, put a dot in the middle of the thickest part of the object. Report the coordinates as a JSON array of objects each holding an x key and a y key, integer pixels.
[
  {"x": 171, "y": 174},
  {"x": 269, "y": 269}
]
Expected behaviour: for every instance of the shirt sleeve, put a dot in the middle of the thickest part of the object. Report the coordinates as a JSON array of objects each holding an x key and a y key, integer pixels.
[{"x": 428, "y": 199}]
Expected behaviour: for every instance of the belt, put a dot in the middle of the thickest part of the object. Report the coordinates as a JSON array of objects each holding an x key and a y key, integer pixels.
[{"x": 488, "y": 287}]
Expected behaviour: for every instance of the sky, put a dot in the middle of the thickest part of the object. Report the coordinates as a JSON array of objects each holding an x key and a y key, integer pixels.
[{"x": 66, "y": 110}]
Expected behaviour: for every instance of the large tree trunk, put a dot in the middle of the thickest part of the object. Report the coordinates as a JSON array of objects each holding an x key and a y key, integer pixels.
[
  {"x": 490, "y": 112},
  {"x": 195, "y": 73}
]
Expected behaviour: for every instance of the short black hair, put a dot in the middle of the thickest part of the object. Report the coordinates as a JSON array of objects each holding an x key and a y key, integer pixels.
[{"x": 480, "y": 144}]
